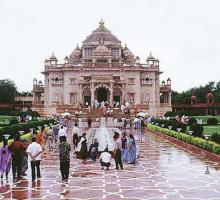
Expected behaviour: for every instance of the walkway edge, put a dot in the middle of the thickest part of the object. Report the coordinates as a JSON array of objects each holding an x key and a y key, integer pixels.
[{"x": 189, "y": 147}]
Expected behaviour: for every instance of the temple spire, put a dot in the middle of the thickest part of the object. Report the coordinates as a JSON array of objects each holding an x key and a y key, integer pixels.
[{"x": 101, "y": 23}]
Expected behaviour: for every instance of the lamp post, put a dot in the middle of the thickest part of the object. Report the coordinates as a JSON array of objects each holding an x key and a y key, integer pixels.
[
  {"x": 206, "y": 136},
  {"x": 190, "y": 133},
  {"x": 21, "y": 132},
  {"x": 6, "y": 136},
  {"x": 179, "y": 129}
]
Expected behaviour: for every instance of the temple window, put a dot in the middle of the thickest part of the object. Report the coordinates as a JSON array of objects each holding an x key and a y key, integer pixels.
[
  {"x": 115, "y": 53},
  {"x": 130, "y": 80},
  {"x": 72, "y": 81},
  {"x": 57, "y": 81},
  {"x": 131, "y": 97},
  {"x": 87, "y": 52},
  {"x": 73, "y": 98}
]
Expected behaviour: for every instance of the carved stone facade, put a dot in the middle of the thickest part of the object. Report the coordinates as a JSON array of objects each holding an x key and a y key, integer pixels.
[{"x": 102, "y": 70}]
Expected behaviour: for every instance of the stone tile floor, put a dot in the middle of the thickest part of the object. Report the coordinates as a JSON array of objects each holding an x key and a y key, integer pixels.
[{"x": 163, "y": 171}]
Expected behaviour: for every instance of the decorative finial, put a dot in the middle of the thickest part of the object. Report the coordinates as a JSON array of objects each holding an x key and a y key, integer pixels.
[
  {"x": 101, "y": 23},
  {"x": 77, "y": 46},
  {"x": 150, "y": 53}
]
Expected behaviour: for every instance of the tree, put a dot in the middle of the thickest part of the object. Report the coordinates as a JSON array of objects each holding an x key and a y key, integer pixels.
[
  {"x": 8, "y": 91},
  {"x": 200, "y": 92}
]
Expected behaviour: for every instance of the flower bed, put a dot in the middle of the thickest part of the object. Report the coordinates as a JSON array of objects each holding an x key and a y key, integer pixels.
[{"x": 199, "y": 142}]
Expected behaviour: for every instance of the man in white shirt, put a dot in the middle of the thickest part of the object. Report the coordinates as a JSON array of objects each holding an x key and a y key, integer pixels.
[
  {"x": 34, "y": 151},
  {"x": 105, "y": 159},
  {"x": 75, "y": 134},
  {"x": 62, "y": 132}
]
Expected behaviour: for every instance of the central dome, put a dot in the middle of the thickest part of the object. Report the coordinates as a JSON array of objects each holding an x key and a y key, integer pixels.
[{"x": 101, "y": 33}]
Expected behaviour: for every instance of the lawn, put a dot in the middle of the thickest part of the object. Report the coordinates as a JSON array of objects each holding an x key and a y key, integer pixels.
[
  {"x": 211, "y": 129},
  {"x": 205, "y": 118},
  {"x": 4, "y": 119}
]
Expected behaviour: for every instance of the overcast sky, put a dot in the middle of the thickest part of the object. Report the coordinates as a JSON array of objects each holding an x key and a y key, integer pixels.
[{"x": 182, "y": 34}]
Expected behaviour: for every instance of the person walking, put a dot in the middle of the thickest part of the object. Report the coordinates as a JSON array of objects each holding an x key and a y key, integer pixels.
[
  {"x": 117, "y": 152},
  {"x": 83, "y": 149},
  {"x": 62, "y": 132},
  {"x": 41, "y": 137},
  {"x": 5, "y": 159},
  {"x": 34, "y": 151},
  {"x": 105, "y": 159},
  {"x": 17, "y": 148},
  {"x": 75, "y": 134},
  {"x": 131, "y": 150},
  {"x": 89, "y": 122},
  {"x": 64, "y": 154}
]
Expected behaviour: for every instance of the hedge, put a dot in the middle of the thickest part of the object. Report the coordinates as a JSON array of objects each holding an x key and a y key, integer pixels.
[
  {"x": 13, "y": 129},
  {"x": 199, "y": 142}
]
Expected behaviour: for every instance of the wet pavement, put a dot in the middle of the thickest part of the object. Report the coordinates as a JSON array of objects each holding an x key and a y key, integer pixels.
[{"x": 163, "y": 171}]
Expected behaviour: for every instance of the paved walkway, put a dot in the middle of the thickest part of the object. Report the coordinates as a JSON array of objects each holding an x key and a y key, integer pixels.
[{"x": 163, "y": 172}]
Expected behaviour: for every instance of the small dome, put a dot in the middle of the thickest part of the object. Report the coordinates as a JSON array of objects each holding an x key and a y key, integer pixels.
[
  {"x": 150, "y": 57},
  {"x": 193, "y": 98},
  {"x": 127, "y": 53},
  {"x": 53, "y": 57},
  {"x": 76, "y": 53},
  {"x": 209, "y": 96}
]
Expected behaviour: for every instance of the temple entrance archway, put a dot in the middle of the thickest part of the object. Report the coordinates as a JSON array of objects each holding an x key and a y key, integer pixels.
[{"x": 102, "y": 94}]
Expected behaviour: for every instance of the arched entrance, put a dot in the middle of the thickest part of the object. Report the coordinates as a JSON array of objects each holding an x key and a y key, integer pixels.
[{"x": 102, "y": 94}]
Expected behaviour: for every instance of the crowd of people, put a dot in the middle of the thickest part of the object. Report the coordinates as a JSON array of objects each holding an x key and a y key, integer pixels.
[{"x": 20, "y": 152}]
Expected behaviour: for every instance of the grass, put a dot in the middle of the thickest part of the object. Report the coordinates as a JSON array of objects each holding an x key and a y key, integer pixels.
[
  {"x": 5, "y": 117},
  {"x": 206, "y": 117},
  {"x": 211, "y": 129}
]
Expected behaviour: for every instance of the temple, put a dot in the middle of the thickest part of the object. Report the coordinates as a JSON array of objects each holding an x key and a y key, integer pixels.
[{"x": 101, "y": 70}]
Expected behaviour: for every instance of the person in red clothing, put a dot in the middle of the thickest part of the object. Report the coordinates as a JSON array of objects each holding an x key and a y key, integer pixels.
[
  {"x": 41, "y": 138},
  {"x": 17, "y": 148}
]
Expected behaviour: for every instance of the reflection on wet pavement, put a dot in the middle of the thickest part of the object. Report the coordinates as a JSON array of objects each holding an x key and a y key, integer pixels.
[{"x": 163, "y": 172}]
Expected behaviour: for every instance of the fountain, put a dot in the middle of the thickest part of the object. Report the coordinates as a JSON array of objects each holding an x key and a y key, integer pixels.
[{"x": 104, "y": 136}]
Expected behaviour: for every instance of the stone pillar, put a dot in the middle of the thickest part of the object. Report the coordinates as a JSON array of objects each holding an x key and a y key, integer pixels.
[
  {"x": 79, "y": 94},
  {"x": 111, "y": 95},
  {"x": 92, "y": 97},
  {"x": 169, "y": 98}
]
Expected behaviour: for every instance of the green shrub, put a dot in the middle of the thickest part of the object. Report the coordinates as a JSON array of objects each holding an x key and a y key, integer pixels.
[
  {"x": 199, "y": 142},
  {"x": 215, "y": 137},
  {"x": 216, "y": 148},
  {"x": 212, "y": 121},
  {"x": 192, "y": 121},
  {"x": 182, "y": 126},
  {"x": 13, "y": 121},
  {"x": 197, "y": 130},
  {"x": 171, "y": 122}
]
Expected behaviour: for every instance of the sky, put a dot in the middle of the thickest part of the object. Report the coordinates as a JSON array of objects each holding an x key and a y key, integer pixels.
[{"x": 182, "y": 34}]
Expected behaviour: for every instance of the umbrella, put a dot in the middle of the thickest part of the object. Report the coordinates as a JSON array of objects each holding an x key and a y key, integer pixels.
[
  {"x": 66, "y": 114},
  {"x": 142, "y": 114}
]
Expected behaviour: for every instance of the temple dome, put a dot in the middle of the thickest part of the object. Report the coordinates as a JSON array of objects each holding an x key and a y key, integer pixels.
[
  {"x": 209, "y": 96},
  {"x": 101, "y": 33},
  {"x": 150, "y": 57},
  {"x": 101, "y": 50},
  {"x": 76, "y": 53},
  {"x": 127, "y": 53},
  {"x": 193, "y": 98}
]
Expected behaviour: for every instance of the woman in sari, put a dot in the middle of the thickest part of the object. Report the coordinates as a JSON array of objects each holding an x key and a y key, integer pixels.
[
  {"x": 5, "y": 159},
  {"x": 124, "y": 146},
  {"x": 131, "y": 150}
]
